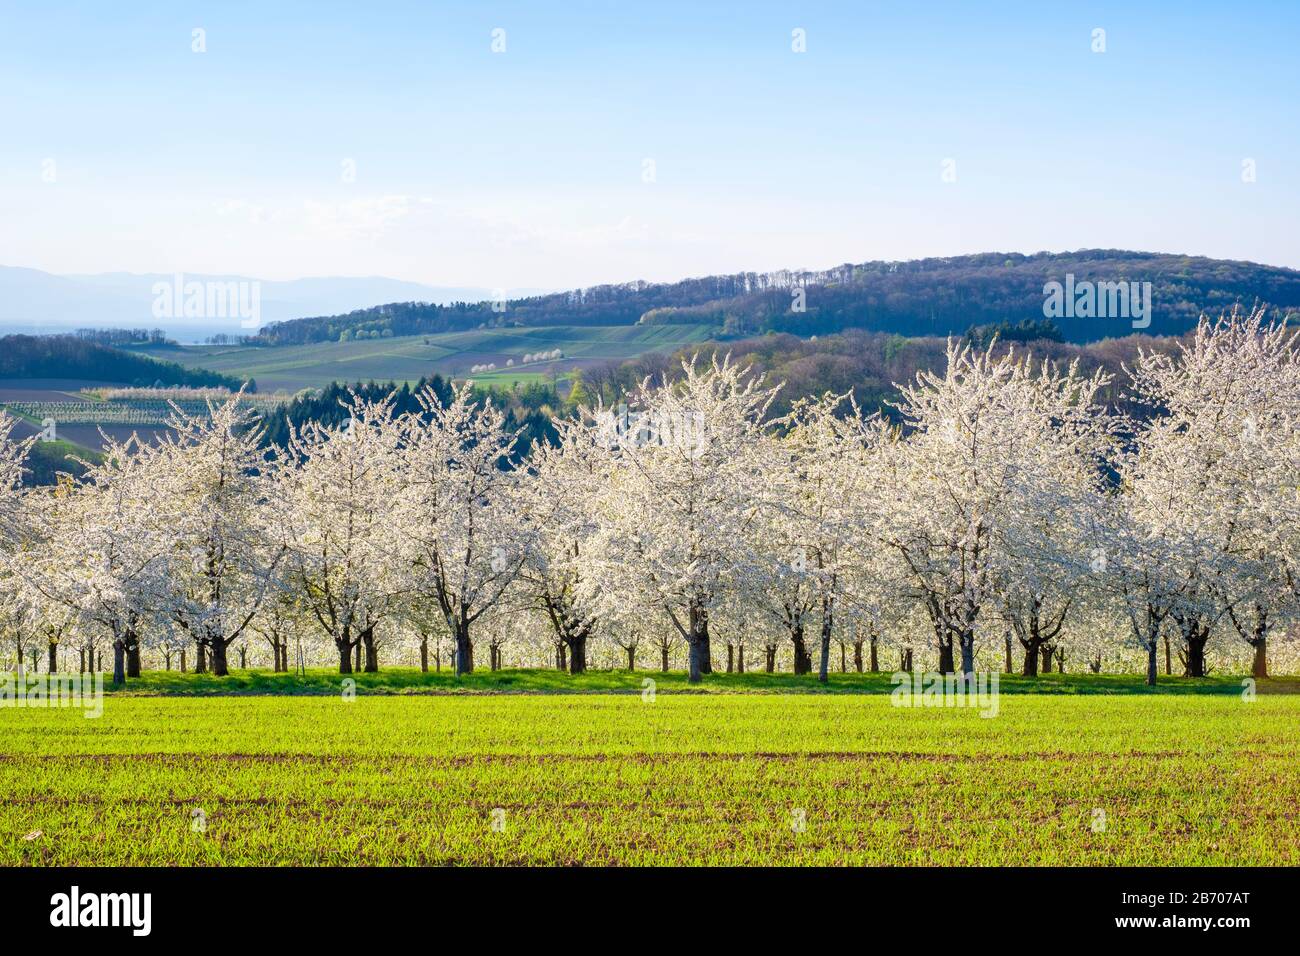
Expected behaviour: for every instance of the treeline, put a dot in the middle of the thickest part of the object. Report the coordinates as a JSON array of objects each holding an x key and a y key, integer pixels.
[
  {"x": 924, "y": 297},
  {"x": 528, "y": 407},
  {"x": 1005, "y": 512},
  {"x": 868, "y": 363},
  {"x": 73, "y": 356},
  {"x": 119, "y": 338},
  {"x": 47, "y": 460}
]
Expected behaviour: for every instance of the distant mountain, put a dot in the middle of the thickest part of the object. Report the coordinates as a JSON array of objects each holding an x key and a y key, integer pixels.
[
  {"x": 917, "y": 298},
  {"x": 40, "y": 302}
]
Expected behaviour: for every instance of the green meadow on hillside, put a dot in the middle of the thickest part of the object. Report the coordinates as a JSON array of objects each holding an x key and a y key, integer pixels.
[{"x": 408, "y": 358}]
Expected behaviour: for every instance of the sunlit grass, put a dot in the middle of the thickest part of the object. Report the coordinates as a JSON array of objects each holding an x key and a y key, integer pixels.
[
  {"x": 409, "y": 680},
  {"x": 1185, "y": 779}
]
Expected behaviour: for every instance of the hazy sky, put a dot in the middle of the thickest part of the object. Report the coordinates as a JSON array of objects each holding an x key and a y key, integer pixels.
[{"x": 528, "y": 167}]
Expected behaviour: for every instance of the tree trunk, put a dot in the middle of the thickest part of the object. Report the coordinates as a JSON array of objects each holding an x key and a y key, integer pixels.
[
  {"x": 578, "y": 652},
  {"x": 356, "y": 664},
  {"x": 372, "y": 652},
  {"x": 1259, "y": 666},
  {"x": 967, "y": 642},
  {"x": 464, "y": 650},
  {"x": 694, "y": 663},
  {"x": 844, "y": 659},
  {"x": 133, "y": 657},
  {"x": 945, "y": 657},
  {"x": 83, "y": 660},
  {"x": 1046, "y": 654},
  {"x": 1032, "y": 653},
  {"x": 167, "y": 659},
  {"x": 740, "y": 659},
  {"x": 218, "y": 651},
  {"x": 824, "y": 665},
  {"x": 243, "y": 657},
  {"x": 857, "y": 656},
  {"x": 1169, "y": 664},
  {"x": 698, "y": 638},
  {"x": 1152, "y": 666},
  {"x": 875, "y": 654},
  {"x": 731, "y": 658},
  {"x": 1196, "y": 655},
  {"x": 345, "y": 655},
  {"x": 201, "y": 660},
  {"x": 631, "y": 658},
  {"x": 54, "y": 658},
  {"x": 664, "y": 653},
  {"x": 119, "y": 662},
  {"x": 802, "y": 662},
  {"x": 1010, "y": 668},
  {"x": 182, "y": 660},
  {"x": 706, "y": 648},
  {"x": 424, "y": 653}
]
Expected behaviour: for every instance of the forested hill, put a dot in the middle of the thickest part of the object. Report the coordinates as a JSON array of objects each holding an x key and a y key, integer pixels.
[
  {"x": 67, "y": 356},
  {"x": 528, "y": 409},
  {"x": 923, "y": 297}
]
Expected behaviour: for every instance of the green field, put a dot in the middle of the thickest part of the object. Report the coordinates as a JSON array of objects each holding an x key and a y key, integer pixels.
[
  {"x": 1189, "y": 775},
  {"x": 408, "y": 358},
  {"x": 408, "y": 680}
]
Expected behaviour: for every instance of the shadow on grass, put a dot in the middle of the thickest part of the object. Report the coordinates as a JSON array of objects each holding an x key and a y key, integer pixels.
[{"x": 405, "y": 680}]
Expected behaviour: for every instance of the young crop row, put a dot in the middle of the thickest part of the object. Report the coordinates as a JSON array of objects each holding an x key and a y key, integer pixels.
[
  {"x": 90, "y": 413},
  {"x": 116, "y": 411},
  {"x": 683, "y": 780}
]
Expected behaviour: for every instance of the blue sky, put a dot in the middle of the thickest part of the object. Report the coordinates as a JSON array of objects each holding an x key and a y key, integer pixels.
[{"x": 122, "y": 149}]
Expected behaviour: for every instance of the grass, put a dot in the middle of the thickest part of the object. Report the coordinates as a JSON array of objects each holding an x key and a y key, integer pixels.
[
  {"x": 505, "y": 378},
  {"x": 1190, "y": 775},
  {"x": 408, "y": 358},
  {"x": 407, "y": 680}
]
